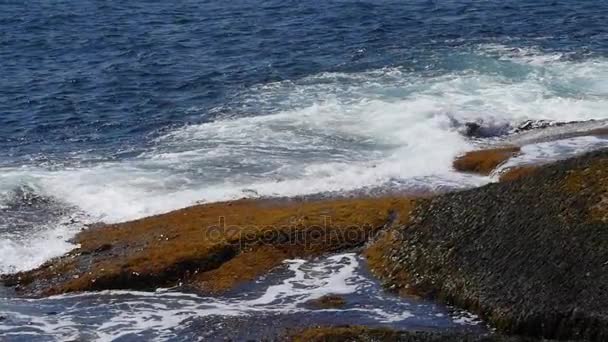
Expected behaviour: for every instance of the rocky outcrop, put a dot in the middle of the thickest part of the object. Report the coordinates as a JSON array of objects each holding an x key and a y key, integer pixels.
[
  {"x": 484, "y": 161},
  {"x": 559, "y": 132},
  {"x": 539, "y": 124},
  {"x": 481, "y": 129},
  {"x": 209, "y": 248},
  {"x": 529, "y": 255}
]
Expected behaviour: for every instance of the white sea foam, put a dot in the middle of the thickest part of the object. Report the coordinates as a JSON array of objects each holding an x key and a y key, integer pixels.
[
  {"x": 30, "y": 251},
  {"x": 326, "y": 132}
]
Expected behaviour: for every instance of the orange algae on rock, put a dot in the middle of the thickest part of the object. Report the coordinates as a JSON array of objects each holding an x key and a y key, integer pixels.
[
  {"x": 517, "y": 172},
  {"x": 484, "y": 161},
  {"x": 210, "y": 247}
]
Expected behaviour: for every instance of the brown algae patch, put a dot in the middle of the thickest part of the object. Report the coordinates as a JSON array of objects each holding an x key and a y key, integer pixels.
[
  {"x": 210, "y": 247},
  {"x": 517, "y": 172},
  {"x": 484, "y": 161}
]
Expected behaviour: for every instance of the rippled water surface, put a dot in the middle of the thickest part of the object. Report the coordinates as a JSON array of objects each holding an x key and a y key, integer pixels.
[{"x": 111, "y": 111}]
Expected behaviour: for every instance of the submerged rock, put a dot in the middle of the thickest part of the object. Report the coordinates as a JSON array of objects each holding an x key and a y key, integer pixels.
[
  {"x": 328, "y": 302},
  {"x": 529, "y": 255}
]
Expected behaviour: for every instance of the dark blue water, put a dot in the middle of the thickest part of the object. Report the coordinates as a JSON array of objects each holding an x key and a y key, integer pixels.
[{"x": 107, "y": 75}]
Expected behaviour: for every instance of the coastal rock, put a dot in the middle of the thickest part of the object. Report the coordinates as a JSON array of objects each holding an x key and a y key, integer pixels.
[
  {"x": 554, "y": 132},
  {"x": 209, "y": 248},
  {"x": 539, "y": 124},
  {"x": 482, "y": 130},
  {"x": 484, "y": 161},
  {"x": 529, "y": 255}
]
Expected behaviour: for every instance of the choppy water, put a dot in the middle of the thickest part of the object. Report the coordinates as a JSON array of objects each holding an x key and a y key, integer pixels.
[{"x": 111, "y": 111}]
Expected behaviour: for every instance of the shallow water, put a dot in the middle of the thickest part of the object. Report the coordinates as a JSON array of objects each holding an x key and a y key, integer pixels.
[
  {"x": 267, "y": 308},
  {"x": 115, "y": 111}
]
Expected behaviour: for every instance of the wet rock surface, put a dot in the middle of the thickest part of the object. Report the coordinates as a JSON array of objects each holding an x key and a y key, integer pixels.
[
  {"x": 539, "y": 124},
  {"x": 209, "y": 248},
  {"x": 529, "y": 255},
  {"x": 481, "y": 129},
  {"x": 534, "y": 133}
]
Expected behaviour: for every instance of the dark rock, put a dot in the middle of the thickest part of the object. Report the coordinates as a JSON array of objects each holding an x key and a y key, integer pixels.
[
  {"x": 484, "y": 130},
  {"x": 530, "y": 255}
]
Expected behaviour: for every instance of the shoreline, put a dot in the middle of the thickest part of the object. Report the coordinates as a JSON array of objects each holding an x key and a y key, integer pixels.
[{"x": 212, "y": 248}]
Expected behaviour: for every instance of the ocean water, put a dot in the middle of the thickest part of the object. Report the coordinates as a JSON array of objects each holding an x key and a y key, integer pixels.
[{"x": 111, "y": 111}]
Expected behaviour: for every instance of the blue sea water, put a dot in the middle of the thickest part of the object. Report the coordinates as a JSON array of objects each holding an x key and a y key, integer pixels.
[
  {"x": 109, "y": 76},
  {"x": 111, "y": 111}
]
